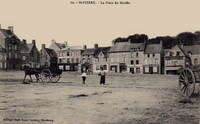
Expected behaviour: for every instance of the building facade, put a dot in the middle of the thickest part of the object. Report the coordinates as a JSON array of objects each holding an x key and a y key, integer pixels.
[
  {"x": 10, "y": 45},
  {"x": 30, "y": 54},
  {"x": 175, "y": 59},
  {"x": 101, "y": 59},
  {"x": 135, "y": 65},
  {"x": 153, "y": 59},
  {"x": 69, "y": 58},
  {"x": 48, "y": 57},
  {"x": 119, "y": 57}
]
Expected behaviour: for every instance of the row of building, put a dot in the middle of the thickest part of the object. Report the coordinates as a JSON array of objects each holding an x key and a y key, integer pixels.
[{"x": 122, "y": 57}]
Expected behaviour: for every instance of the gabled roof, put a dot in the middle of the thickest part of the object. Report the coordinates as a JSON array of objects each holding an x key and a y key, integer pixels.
[
  {"x": 60, "y": 45},
  {"x": 26, "y": 48},
  {"x": 120, "y": 47},
  {"x": 139, "y": 46},
  {"x": 176, "y": 46},
  {"x": 51, "y": 53},
  {"x": 73, "y": 48},
  {"x": 153, "y": 48},
  {"x": 8, "y": 33},
  {"x": 195, "y": 49},
  {"x": 104, "y": 50},
  {"x": 90, "y": 51}
]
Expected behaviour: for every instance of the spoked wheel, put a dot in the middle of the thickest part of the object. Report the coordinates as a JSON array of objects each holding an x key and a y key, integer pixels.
[
  {"x": 45, "y": 75},
  {"x": 55, "y": 78},
  {"x": 187, "y": 82}
]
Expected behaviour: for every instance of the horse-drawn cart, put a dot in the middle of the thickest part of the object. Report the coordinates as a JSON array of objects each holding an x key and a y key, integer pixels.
[
  {"x": 46, "y": 75},
  {"x": 188, "y": 78}
]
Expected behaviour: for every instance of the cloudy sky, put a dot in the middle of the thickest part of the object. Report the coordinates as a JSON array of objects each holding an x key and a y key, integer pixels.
[{"x": 45, "y": 20}]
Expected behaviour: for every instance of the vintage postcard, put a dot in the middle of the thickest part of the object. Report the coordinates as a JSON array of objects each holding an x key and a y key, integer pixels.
[{"x": 99, "y": 62}]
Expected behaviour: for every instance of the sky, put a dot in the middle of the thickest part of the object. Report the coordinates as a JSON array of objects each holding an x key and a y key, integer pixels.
[{"x": 44, "y": 20}]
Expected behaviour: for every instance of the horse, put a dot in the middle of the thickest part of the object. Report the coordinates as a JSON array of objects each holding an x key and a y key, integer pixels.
[{"x": 30, "y": 71}]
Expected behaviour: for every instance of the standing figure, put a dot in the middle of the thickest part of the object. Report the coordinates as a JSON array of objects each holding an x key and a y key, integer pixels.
[
  {"x": 102, "y": 75},
  {"x": 83, "y": 76}
]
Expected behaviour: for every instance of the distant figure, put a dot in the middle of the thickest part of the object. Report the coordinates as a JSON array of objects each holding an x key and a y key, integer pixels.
[
  {"x": 83, "y": 76},
  {"x": 102, "y": 75}
]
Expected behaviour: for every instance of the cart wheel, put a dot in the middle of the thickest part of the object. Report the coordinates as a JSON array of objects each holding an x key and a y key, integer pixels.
[
  {"x": 187, "y": 82},
  {"x": 45, "y": 75},
  {"x": 55, "y": 78}
]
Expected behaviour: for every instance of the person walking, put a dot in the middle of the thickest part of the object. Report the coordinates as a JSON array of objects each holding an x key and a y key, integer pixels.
[
  {"x": 83, "y": 76},
  {"x": 102, "y": 75}
]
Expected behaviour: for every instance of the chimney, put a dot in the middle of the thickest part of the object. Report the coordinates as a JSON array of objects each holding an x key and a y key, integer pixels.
[
  {"x": 43, "y": 46},
  {"x": 33, "y": 42},
  {"x": 66, "y": 44},
  {"x": 11, "y": 29},
  {"x": 95, "y": 45},
  {"x": 84, "y": 47},
  {"x": 24, "y": 41},
  {"x": 53, "y": 41}
]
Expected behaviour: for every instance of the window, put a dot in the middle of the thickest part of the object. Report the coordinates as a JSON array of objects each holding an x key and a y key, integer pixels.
[
  {"x": 15, "y": 47},
  {"x": 171, "y": 54},
  {"x": 9, "y": 47},
  {"x": 68, "y": 53},
  {"x": 1, "y": 65},
  {"x": 15, "y": 55},
  {"x": 68, "y": 60},
  {"x": 23, "y": 57},
  {"x": 137, "y": 70},
  {"x": 137, "y": 62},
  {"x": 155, "y": 69},
  {"x": 146, "y": 69},
  {"x": 132, "y": 62},
  {"x": 148, "y": 55},
  {"x": 9, "y": 55},
  {"x": 136, "y": 54},
  {"x": 178, "y": 53},
  {"x": 72, "y": 60},
  {"x": 153, "y": 55},
  {"x": 195, "y": 61},
  {"x": 97, "y": 67},
  {"x": 156, "y": 61},
  {"x": 105, "y": 67},
  {"x": 77, "y": 60}
]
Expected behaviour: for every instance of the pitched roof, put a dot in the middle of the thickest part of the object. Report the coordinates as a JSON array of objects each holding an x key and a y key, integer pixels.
[
  {"x": 60, "y": 45},
  {"x": 51, "y": 53},
  {"x": 153, "y": 48},
  {"x": 104, "y": 50},
  {"x": 120, "y": 47},
  {"x": 73, "y": 48},
  {"x": 90, "y": 51},
  {"x": 139, "y": 46},
  {"x": 26, "y": 48},
  {"x": 195, "y": 49},
  {"x": 8, "y": 33}
]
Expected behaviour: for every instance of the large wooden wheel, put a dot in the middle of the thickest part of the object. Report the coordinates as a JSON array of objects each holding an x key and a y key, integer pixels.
[
  {"x": 55, "y": 78},
  {"x": 187, "y": 82},
  {"x": 45, "y": 75}
]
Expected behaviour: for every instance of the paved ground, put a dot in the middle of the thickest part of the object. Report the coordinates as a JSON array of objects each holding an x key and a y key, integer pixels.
[{"x": 126, "y": 99}]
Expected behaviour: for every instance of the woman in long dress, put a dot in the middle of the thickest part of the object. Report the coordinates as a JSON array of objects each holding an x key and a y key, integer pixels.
[{"x": 102, "y": 75}]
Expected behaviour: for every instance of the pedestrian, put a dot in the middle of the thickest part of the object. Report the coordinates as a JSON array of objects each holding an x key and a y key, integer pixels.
[
  {"x": 102, "y": 75},
  {"x": 83, "y": 76}
]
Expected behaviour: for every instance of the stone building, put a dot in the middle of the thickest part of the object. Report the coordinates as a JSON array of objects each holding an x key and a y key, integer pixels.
[
  {"x": 119, "y": 56},
  {"x": 175, "y": 59},
  {"x": 30, "y": 54},
  {"x": 48, "y": 57},
  {"x": 101, "y": 59},
  {"x": 69, "y": 58},
  {"x": 57, "y": 46},
  {"x": 10, "y": 49},
  {"x": 136, "y": 58},
  {"x": 153, "y": 59}
]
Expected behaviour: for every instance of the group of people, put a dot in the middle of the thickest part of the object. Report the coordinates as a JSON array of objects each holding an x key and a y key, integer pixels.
[{"x": 102, "y": 75}]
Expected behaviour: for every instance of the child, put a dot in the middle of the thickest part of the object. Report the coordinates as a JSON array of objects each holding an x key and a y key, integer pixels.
[{"x": 83, "y": 76}]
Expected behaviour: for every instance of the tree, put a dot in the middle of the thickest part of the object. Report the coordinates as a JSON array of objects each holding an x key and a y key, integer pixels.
[
  {"x": 186, "y": 38},
  {"x": 137, "y": 38}
]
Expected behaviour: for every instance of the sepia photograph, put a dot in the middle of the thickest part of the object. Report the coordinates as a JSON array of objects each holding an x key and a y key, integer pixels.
[{"x": 99, "y": 62}]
